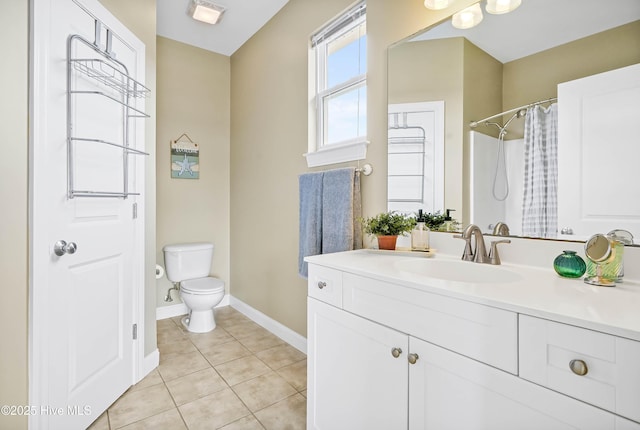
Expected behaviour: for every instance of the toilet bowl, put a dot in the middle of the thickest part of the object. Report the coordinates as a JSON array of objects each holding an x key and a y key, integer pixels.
[
  {"x": 188, "y": 266},
  {"x": 201, "y": 296}
]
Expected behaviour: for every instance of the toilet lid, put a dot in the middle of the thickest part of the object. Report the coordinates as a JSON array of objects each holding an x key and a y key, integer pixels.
[{"x": 208, "y": 285}]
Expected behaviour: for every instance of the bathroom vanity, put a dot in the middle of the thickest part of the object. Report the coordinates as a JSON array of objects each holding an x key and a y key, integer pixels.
[{"x": 404, "y": 342}]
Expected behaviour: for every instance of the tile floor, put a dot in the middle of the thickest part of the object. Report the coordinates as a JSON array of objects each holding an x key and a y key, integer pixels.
[{"x": 237, "y": 377}]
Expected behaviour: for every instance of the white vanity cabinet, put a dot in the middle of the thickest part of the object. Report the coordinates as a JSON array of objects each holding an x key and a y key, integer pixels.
[
  {"x": 355, "y": 380},
  {"x": 598, "y": 368},
  {"x": 448, "y": 391},
  {"x": 388, "y": 356}
]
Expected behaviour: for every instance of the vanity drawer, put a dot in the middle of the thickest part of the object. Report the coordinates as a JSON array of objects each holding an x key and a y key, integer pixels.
[
  {"x": 480, "y": 332},
  {"x": 325, "y": 284},
  {"x": 611, "y": 364}
]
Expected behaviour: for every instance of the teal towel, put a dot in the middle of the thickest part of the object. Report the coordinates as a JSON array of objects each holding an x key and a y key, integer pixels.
[
  {"x": 330, "y": 206},
  {"x": 337, "y": 210},
  {"x": 310, "y": 185}
]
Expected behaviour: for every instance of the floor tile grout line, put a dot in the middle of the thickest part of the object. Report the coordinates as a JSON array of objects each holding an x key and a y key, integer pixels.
[{"x": 240, "y": 320}]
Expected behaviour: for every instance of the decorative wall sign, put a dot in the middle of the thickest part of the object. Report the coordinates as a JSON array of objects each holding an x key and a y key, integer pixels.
[{"x": 185, "y": 154}]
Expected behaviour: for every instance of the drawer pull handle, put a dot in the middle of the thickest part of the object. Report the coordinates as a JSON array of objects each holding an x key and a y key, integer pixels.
[
  {"x": 412, "y": 358},
  {"x": 321, "y": 284},
  {"x": 396, "y": 352},
  {"x": 579, "y": 367}
]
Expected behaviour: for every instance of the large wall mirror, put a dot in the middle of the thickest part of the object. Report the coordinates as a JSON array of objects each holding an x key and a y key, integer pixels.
[{"x": 567, "y": 70}]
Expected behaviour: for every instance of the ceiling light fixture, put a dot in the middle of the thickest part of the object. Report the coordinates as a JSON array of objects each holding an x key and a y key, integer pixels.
[
  {"x": 467, "y": 18},
  {"x": 497, "y": 7},
  {"x": 205, "y": 11},
  {"x": 436, "y": 4}
]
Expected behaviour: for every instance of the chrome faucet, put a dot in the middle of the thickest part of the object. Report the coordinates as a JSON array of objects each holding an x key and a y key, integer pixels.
[
  {"x": 501, "y": 229},
  {"x": 479, "y": 252}
]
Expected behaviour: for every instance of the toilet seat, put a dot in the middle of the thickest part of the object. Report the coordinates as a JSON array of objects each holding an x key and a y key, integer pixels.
[{"x": 208, "y": 285}]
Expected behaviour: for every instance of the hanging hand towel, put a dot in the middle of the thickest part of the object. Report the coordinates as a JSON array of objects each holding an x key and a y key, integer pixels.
[
  {"x": 340, "y": 210},
  {"x": 310, "y": 185}
]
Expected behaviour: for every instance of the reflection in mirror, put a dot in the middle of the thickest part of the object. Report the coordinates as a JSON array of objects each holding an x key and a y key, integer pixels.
[
  {"x": 499, "y": 71},
  {"x": 416, "y": 157},
  {"x": 598, "y": 249}
]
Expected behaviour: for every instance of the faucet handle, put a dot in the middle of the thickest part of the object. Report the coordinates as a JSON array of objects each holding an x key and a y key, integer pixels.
[
  {"x": 494, "y": 258},
  {"x": 467, "y": 255}
]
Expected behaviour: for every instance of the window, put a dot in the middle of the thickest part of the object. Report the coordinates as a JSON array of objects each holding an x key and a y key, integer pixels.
[{"x": 339, "y": 97}]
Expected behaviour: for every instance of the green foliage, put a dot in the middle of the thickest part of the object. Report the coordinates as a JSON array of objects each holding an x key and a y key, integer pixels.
[
  {"x": 435, "y": 221},
  {"x": 388, "y": 224}
]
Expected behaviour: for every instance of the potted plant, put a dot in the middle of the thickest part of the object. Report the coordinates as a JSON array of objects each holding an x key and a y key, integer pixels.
[{"x": 387, "y": 226}]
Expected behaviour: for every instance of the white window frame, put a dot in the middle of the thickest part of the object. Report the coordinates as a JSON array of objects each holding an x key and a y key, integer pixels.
[{"x": 319, "y": 153}]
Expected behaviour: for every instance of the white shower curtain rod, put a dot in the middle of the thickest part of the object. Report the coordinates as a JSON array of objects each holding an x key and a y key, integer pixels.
[{"x": 474, "y": 124}]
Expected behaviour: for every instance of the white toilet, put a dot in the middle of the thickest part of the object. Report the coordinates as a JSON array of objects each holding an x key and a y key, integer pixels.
[{"x": 189, "y": 264}]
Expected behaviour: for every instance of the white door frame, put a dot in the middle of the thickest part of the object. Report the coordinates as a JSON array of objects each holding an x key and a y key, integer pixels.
[{"x": 40, "y": 250}]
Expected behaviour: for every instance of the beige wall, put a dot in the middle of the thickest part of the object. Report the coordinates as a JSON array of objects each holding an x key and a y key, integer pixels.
[
  {"x": 14, "y": 21},
  {"x": 604, "y": 51},
  {"x": 269, "y": 135},
  {"x": 193, "y": 98},
  {"x": 482, "y": 87}
]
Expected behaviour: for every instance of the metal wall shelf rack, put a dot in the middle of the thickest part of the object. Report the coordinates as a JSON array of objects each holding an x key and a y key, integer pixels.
[
  {"x": 407, "y": 144},
  {"x": 113, "y": 82}
]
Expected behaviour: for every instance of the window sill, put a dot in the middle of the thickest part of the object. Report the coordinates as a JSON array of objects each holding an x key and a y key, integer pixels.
[{"x": 337, "y": 154}]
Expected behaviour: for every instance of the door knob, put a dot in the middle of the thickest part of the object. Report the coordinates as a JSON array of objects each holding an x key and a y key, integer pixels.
[
  {"x": 61, "y": 247},
  {"x": 396, "y": 352},
  {"x": 413, "y": 358}
]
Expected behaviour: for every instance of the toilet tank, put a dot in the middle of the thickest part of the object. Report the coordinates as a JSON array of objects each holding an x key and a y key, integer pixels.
[{"x": 187, "y": 260}]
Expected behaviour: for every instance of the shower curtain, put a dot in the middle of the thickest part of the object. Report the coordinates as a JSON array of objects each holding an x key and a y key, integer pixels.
[{"x": 540, "y": 203}]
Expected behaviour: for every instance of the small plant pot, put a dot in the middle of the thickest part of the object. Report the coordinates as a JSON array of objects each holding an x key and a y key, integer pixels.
[{"x": 387, "y": 242}]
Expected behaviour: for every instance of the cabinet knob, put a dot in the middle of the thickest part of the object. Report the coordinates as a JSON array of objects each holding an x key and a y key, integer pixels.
[
  {"x": 321, "y": 284},
  {"x": 412, "y": 358},
  {"x": 579, "y": 367},
  {"x": 396, "y": 352}
]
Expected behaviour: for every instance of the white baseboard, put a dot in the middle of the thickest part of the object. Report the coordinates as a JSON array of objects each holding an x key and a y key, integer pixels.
[
  {"x": 164, "y": 312},
  {"x": 149, "y": 362},
  {"x": 283, "y": 332}
]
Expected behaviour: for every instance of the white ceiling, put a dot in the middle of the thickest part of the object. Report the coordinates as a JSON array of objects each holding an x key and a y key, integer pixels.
[
  {"x": 538, "y": 25},
  {"x": 241, "y": 20}
]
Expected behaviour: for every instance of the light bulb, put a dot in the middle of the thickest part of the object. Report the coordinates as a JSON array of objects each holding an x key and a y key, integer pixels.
[
  {"x": 497, "y": 7},
  {"x": 467, "y": 18},
  {"x": 436, "y": 4}
]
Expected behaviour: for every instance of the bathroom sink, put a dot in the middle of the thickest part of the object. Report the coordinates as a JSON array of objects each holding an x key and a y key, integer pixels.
[{"x": 458, "y": 271}]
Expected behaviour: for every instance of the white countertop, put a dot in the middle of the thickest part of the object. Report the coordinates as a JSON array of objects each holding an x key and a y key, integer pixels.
[{"x": 540, "y": 292}]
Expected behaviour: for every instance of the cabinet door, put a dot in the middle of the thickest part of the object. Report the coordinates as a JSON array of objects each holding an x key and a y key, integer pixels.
[
  {"x": 449, "y": 391},
  {"x": 354, "y": 381}
]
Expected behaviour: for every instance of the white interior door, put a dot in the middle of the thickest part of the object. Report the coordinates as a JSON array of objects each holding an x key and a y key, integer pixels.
[
  {"x": 598, "y": 150},
  {"x": 84, "y": 304}
]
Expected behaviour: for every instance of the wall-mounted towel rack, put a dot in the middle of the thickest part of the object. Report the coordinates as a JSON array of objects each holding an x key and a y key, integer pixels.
[
  {"x": 112, "y": 81},
  {"x": 366, "y": 169}
]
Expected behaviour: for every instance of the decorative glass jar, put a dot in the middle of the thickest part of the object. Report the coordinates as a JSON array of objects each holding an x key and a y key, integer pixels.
[{"x": 569, "y": 265}]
